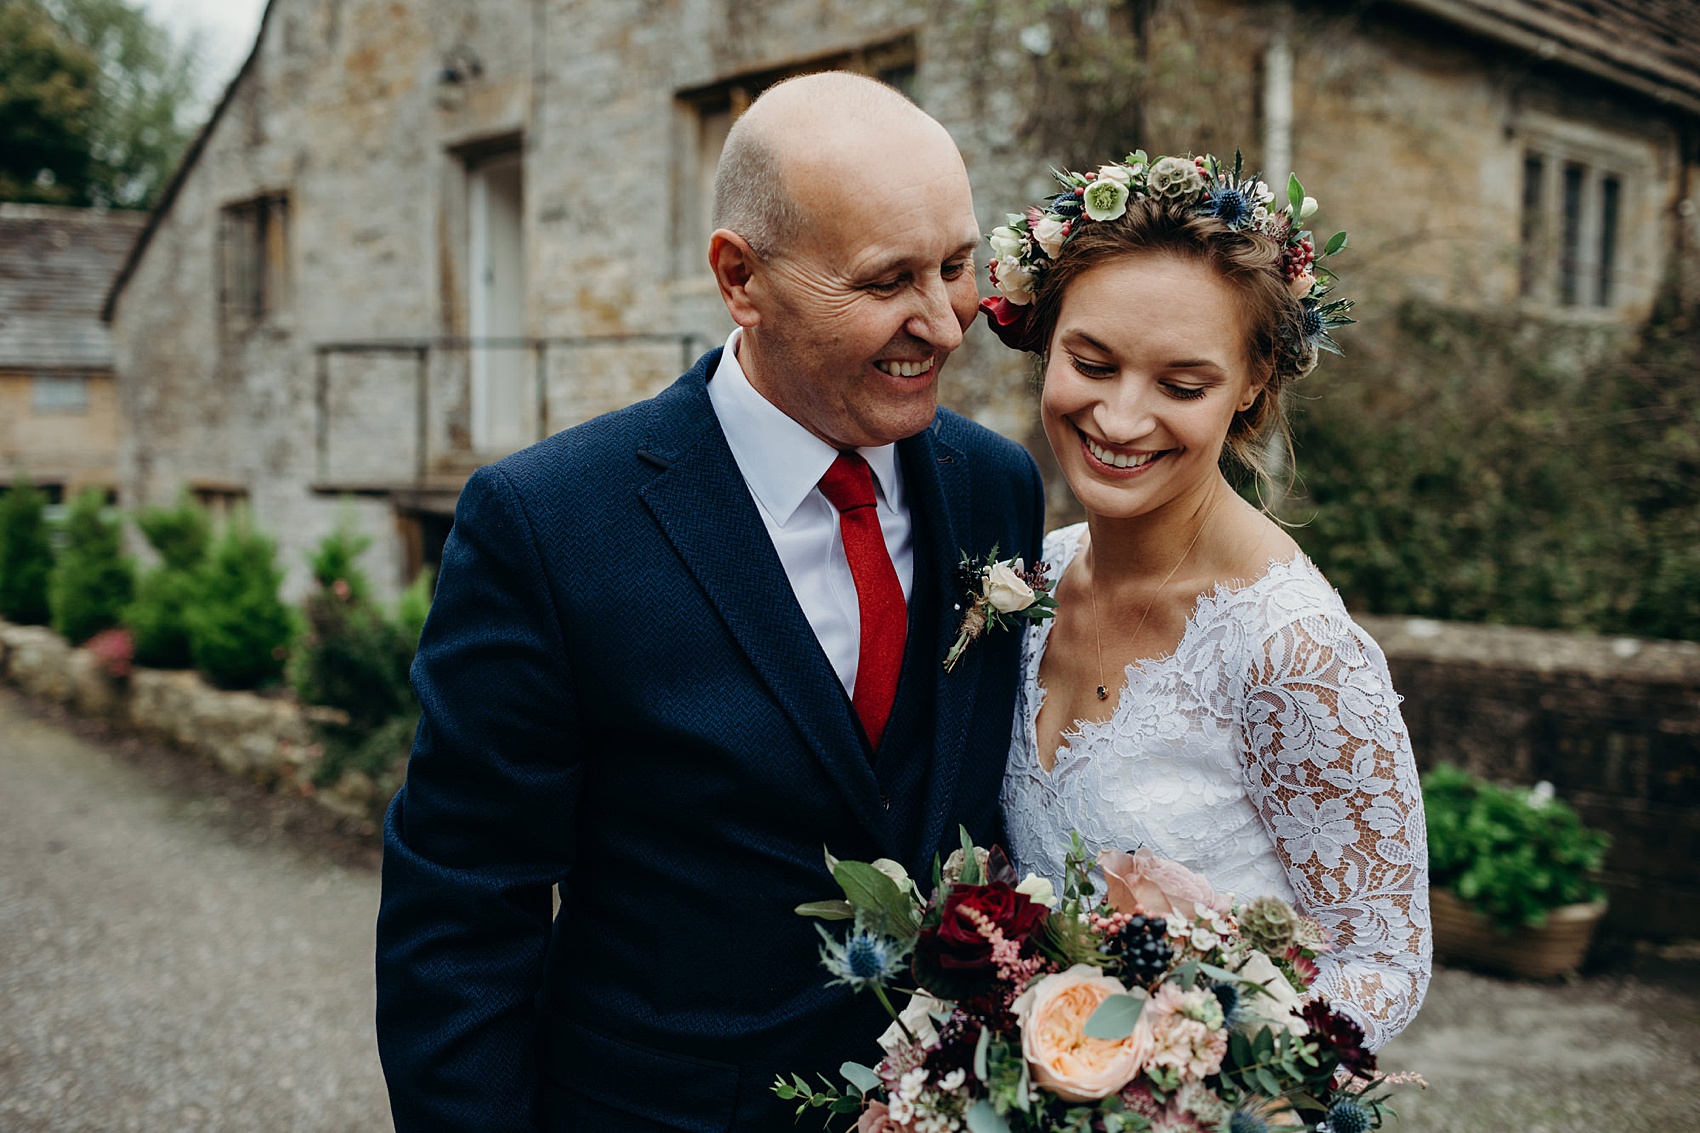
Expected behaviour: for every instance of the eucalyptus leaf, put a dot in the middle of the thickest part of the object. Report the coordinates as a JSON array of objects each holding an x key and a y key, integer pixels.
[
  {"x": 1115, "y": 1018},
  {"x": 1295, "y": 194},
  {"x": 859, "y": 1076},
  {"x": 1335, "y": 243},
  {"x": 827, "y": 910},
  {"x": 872, "y": 892},
  {"x": 980, "y": 1050},
  {"x": 982, "y": 1118},
  {"x": 970, "y": 861}
]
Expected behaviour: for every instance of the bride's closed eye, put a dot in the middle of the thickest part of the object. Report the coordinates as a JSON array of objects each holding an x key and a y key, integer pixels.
[{"x": 1091, "y": 369}]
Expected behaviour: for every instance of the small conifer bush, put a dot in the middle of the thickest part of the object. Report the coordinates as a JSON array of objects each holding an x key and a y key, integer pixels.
[
  {"x": 26, "y": 555},
  {"x": 93, "y": 580},
  {"x": 240, "y": 631},
  {"x": 159, "y": 617}
]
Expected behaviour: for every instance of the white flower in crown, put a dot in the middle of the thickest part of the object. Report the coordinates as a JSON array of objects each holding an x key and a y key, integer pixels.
[
  {"x": 1105, "y": 199},
  {"x": 1006, "y": 242},
  {"x": 1015, "y": 279},
  {"x": 1121, "y": 173},
  {"x": 1049, "y": 234}
]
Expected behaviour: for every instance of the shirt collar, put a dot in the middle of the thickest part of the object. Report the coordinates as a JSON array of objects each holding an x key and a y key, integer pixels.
[{"x": 781, "y": 461}]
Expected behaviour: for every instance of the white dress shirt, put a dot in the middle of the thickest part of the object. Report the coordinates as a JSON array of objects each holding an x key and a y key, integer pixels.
[{"x": 782, "y": 463}]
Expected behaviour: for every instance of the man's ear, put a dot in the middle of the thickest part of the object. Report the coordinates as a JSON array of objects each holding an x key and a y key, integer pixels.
[{"x": 735, "y": 264}]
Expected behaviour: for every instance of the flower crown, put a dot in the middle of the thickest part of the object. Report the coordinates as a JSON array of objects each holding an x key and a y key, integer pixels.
[{"x": 1027, "y": 247}]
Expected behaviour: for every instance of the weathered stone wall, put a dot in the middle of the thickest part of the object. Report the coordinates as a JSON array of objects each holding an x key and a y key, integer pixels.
[{"x": 1612, "y": 723}]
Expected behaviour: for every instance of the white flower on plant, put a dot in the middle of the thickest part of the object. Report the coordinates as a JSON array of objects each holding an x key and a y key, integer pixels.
[
  {"x": 1264, "y": 193},
  {"x": 1049, "y": 235},
  {"x": 1004, "y": 588},
  {"x": 1119, "y": 173},
  {"x": 1307, "y": 208},
  {"x": 1039, "y": 890},
  {"x": 1204, "y": 940},
  {"x": 1106, "y": 199},
  {"x": 953, "y": 1081},
  {"x": 1280, "y": 1009},
  {"x": 1015, "y": 279},
  {"x": 1541, "y": 794}
]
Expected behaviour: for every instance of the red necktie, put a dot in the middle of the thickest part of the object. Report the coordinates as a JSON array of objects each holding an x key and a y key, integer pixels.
[{"x": 849, "y": 486}]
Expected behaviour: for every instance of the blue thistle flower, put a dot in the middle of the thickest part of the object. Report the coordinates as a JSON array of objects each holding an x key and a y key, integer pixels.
[
  {"x": 1231, "y": 205},
  {"x": 1348, "y": 1116},
  {"x": 1245, "y": 1121},
  {"x": 1312, "y": 324},
  {"x": 865, "y": 959},
  {"x": 1232, "y": 1001}
]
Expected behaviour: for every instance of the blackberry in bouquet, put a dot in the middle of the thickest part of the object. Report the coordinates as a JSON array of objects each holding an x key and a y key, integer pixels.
[{"x": 1137, "y": 1000}]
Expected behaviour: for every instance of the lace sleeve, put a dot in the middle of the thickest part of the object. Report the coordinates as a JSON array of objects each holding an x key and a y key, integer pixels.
[{"x": 1328, "y": 765}]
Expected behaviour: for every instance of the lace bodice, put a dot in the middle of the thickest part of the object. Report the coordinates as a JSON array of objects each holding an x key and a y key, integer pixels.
[{"x": 1266, "y": 753}]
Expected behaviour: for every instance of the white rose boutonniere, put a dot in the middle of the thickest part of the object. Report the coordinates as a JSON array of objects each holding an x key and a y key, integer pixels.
[{"x": 1000, "y": 591}]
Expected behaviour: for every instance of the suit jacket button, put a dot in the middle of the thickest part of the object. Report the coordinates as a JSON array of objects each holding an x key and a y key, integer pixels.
[{"x": 886, "y": 800}]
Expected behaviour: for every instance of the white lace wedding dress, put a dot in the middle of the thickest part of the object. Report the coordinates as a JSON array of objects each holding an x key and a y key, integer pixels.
[{"x": 1266, "y": 753}]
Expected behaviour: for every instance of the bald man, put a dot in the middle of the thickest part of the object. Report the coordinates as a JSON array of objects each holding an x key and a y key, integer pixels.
[{"x": 679, "y": 650}]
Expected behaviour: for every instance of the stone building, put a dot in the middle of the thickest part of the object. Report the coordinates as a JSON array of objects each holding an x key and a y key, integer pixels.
[
  {"x": 58, "y": 404},
  {"x": 418, "y": 234}
]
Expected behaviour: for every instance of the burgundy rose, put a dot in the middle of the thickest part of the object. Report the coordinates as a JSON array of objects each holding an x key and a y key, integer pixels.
[
  {"x": 953, "y": 958},
  {"x": 1012, "y": 324},
  {"x": 1341, "y": 1035}
]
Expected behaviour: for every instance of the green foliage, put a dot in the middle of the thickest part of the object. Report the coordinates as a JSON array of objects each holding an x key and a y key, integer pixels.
[
  {"x": 334, "y": 561},
  {"x": 181, "y": 534},
  {"x": 96, "y": 93},
  {"x": 239, "y": 629},
  {"x": 1454, "y": 467},
  {"x": 48, "y": 93},
  {"x": 93, "y": 579},
  {"x": 26, "y": 555},
  {"x": 415, "y": 605},
  {"x": 355, "y": 659},
  {"x": 380, "y": 753},
  {"x": 1510, "y": 856},
  {"x": 159, "y": 616}
]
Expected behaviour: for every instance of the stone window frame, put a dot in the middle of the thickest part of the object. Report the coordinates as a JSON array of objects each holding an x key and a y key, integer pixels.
[
  {"x": 253, "y": 260},
  {"x": 707, "y": 113},
  {"x": 1580, "y": 188}
]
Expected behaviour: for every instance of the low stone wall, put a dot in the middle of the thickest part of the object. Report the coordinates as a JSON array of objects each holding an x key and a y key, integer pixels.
[
  {"x": 1612, "y": 723},
  {"x": 270, "y": 740}
]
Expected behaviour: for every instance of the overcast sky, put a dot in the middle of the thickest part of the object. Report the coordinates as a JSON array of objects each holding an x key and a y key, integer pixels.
[{"x": 228, "y": 27}]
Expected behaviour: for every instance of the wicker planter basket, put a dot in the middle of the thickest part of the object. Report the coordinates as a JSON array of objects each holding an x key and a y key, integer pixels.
[{"x": 1463, "y": 936}]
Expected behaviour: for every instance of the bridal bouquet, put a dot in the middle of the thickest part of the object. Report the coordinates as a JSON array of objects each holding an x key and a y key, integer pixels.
[{"x": 1158, "y": 1008}]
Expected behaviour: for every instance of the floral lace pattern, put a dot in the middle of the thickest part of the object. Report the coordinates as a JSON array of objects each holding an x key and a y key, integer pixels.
[{"x": 1267, "y": 752}]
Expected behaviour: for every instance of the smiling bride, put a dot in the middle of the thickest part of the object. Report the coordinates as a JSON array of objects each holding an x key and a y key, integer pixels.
[{"x": 1202, "y": 692}]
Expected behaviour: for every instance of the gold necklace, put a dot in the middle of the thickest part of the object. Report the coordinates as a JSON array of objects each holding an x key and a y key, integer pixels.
[{"x": 1092, "y": 593}]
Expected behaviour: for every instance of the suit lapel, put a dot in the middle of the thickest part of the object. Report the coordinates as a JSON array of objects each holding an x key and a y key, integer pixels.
[
  {"x": 937, "y": 477},
  {"x": 704, "y": 507}
]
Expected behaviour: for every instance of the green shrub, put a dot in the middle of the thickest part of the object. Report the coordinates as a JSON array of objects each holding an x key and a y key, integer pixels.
[
  {"x": 159, "y": 616},
  {"x": 26, "y": 555},
  {"x": 415, "y": 606},
  {"x": 92, "y": 580},
  {"x": 380, "y": 753},
  {"x": 355, "y": 659},
  {"x": 1461, "y": 467},
  {"x": 1511, "y": 854},
  {"x": 335, "y": 561},
  {"x": 239, "y": 629}
]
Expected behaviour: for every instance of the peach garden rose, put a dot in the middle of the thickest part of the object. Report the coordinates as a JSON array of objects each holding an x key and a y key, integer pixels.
[
  {"x": 1144, "y": 882},
  {"x": 1053, "y": 1013}
]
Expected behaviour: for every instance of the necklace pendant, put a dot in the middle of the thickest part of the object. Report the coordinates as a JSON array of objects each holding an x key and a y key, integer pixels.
[{"x": 1102, "y": 695}]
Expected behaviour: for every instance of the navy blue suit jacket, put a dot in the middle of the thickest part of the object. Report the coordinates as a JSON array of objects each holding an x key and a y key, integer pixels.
[{"x": 622, "y": 697}]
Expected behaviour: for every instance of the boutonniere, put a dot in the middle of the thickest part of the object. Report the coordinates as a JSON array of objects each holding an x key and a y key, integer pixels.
[{"x": 999, "y": 593}]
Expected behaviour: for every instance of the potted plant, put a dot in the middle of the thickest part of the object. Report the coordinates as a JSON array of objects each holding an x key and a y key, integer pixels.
[{"x": 1511, "y": 875}]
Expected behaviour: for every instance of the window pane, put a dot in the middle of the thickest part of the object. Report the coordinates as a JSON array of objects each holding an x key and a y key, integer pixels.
[
  {"x": 1611, "y": 192},
  {"x": 1532, "y": 236},
  {"x": 54, "y": 393},
  {"x": 1569, "y": 266}
]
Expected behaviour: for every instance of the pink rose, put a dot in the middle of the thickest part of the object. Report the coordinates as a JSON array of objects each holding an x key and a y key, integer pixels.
[
  {"x": 1053, "y": 1013},
  {"x": 1299, "y": 286},
  {"x": 877, "y": 1119},
  {"x": 1157, "y": 887}
]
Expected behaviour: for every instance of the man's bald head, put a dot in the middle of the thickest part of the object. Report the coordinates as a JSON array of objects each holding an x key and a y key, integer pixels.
[{"x": 795, "y": 134}]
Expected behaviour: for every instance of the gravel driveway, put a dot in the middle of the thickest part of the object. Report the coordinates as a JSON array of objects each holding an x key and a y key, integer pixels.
[{"x": 186, "y": 953}]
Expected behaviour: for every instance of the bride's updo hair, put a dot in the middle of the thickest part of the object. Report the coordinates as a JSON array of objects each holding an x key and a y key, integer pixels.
[{"x": 1244, "y": 259}]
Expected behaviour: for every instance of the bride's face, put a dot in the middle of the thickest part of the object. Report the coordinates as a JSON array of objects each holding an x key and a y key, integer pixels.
[{"x": 1146, "y": 370}]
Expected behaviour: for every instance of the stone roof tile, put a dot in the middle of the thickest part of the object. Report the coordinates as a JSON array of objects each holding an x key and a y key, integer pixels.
[{"x": 55, "y": 267}]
